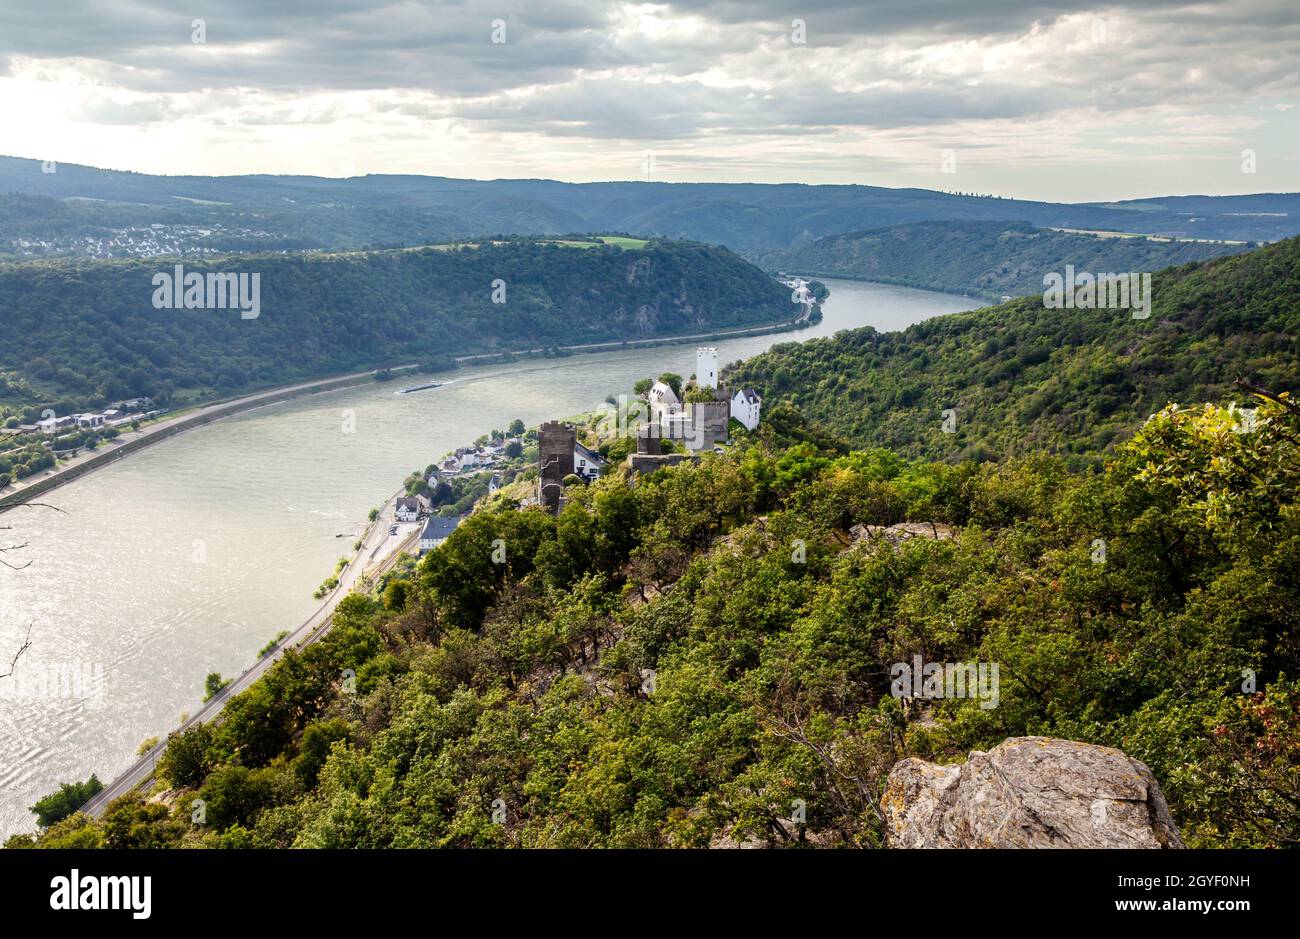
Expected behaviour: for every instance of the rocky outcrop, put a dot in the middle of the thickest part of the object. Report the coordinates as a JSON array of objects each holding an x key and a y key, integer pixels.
[
  {"x": 895, "y": 535},
  {"x": 1028, "y": 792}
]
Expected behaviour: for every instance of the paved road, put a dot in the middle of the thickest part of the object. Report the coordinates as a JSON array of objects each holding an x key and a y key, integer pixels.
[{"x": 378, "y": 553}]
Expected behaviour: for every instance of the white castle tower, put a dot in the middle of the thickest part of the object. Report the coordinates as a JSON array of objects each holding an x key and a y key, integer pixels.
[{"x": 706, "y": 367}]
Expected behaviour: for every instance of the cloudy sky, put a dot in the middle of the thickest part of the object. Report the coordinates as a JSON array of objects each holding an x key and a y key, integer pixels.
[{"x": 1055, "y": 99}]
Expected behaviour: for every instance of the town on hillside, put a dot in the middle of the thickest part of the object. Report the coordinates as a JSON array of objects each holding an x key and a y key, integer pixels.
[
  {"x": 139, "y": 241},
  {"x": 668, "y": 422},
  {"x": 677, "y": 424}
]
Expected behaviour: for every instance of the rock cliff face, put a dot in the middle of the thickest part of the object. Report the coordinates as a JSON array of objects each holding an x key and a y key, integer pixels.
[{"x": 1028, "y": 792}]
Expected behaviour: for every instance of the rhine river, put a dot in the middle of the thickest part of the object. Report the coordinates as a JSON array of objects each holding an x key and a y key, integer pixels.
[{"x": 189, "y": 556}]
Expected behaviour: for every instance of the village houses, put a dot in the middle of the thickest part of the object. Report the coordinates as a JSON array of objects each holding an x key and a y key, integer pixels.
[{"x": 436, "y": 530}]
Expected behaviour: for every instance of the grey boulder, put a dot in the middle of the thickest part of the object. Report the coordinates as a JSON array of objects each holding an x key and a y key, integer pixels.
[{"x": 1028, "y": 792}]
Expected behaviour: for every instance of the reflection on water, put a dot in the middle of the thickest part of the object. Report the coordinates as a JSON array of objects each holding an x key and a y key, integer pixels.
[{"x": 189, "y": 556}]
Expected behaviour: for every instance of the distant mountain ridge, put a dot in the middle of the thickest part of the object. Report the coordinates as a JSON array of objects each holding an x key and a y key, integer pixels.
[
  {"x": 990, "y": 259},
  {"x": 316, "y": 212}
]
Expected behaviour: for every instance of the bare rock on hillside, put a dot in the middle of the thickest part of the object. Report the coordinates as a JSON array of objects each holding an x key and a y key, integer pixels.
[
  {"x": 1028, "y": 792},
  {"x": 895, "y": 535}
]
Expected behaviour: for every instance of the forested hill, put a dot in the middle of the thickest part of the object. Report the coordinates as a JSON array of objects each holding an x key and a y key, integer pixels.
[
  {"x": 1023, "y": 378},
  {"x": 91, "y": 329},
  {"x": 657, "y": 667},
  {"x": 296, "y": 212},
  {"x": 990, "y": 259}
]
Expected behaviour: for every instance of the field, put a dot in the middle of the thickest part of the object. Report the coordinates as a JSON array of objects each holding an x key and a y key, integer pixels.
[{"x": 617, "y": 241}]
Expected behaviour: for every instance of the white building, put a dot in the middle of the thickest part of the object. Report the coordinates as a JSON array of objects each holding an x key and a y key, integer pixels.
[
  {"x": 663, "y": 400},
  {"x": 50, "y": 424},
  {"x": 587, "y": 463},
  {"x": 436, "y": 531},
  {"x": 706, "y": 367},
  {"x": 408, "y": 509},
  {"x": 745, "y": 405}
]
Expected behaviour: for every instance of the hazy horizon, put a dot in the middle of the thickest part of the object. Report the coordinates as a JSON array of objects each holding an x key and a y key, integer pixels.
[{"x": 683, "y": 182}]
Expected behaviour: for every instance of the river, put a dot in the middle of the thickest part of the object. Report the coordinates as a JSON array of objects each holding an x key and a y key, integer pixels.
[{"x": 187, "y": 557}]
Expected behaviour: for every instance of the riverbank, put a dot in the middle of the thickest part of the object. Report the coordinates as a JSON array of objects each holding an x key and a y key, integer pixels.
[
  {"x": 22, "y": 491},
  {"x": 620, "y": 344},
  {"x": 953, "y": 290},
  {"x": 357, "y": 573},
  {"x": 185, "y": 560}
]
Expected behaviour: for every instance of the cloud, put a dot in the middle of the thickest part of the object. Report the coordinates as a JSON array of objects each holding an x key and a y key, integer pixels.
[{"x": 880, "y": 83}]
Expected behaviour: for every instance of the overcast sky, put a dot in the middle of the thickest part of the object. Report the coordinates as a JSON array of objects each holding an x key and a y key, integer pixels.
[{"x": 1057, "y": 100}]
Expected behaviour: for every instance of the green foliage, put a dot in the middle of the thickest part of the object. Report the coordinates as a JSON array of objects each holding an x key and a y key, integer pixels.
[
  {"x": 617, "y": 450},
  {"x": 75, "y": 831},
  {"x": 235, "y": 795},
  {"x": 456, "y": 496},
  {"x": 130, "y": 822},
  {"x": 1024, "y": 379},
  {"x": 675, "y": 660},
  {"x": 25, "y": 459},
  {"x": 317, "y": 740},
  {"x": 485, "y": 553},
  {"x": 673, "y": 381},
  {"x": 989, "y": 258},
  {"x": 212, "y": 684},
  {"x": 68, "y": 799},
  {"x": 396, "y": 594},
  {"x": 186, "y": 761},
  {"x": 88, "y": 329},
  {"x": 270, "y": 646}
]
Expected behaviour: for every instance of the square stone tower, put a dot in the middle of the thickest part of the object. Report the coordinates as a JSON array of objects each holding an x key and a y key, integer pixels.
[
  {"x": 708, "y": 424},
  {"x": 555, "y": 441}
]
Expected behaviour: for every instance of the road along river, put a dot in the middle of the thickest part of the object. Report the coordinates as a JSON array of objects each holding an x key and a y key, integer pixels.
[{"x": 187, "y": 557}]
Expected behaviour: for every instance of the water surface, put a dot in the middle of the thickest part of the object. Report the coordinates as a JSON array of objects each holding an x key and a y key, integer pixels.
[{"x": 187, "y": 557}]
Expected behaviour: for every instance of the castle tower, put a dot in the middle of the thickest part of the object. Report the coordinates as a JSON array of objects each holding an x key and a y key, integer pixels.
[
  {"x": 555, "y": 441},
  {"x": 706, "y": 367}
]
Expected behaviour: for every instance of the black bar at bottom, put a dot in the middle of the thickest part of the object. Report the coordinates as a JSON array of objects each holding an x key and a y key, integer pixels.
[{"x": 228, "y": 888}]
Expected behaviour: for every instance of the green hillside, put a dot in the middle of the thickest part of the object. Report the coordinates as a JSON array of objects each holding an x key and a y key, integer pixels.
[
  {"x": 261, "y": 212},
  {"x": 704, "y": 657},
  {"x": 89, "y": 331},
  {"x": 1022, "y": 378},
  {"x": 990, "y": 259}
]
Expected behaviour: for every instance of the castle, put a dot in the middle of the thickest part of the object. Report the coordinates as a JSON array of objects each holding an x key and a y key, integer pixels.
[
  {"x": 700, "y": 424},
  {"x": 694, "y": 426}
]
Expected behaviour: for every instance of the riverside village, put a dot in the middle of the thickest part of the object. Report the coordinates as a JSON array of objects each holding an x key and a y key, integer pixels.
[{"x": 665, "y": 422}]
